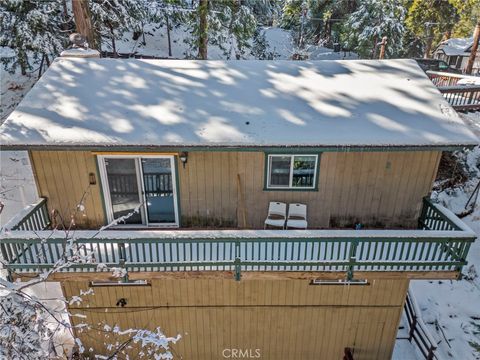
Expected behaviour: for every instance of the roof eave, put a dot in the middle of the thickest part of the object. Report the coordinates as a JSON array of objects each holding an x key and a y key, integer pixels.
[{"x": 263, "y": 148}]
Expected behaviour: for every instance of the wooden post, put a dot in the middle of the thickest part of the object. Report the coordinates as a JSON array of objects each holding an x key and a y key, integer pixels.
[
  {"x": 203, "y": 29},
  {"x": 473, "y": 53},
  {"x": 428, "y": 46},
  {"x": 383, "y": 44},
  {"x": 83, "y": 22}
]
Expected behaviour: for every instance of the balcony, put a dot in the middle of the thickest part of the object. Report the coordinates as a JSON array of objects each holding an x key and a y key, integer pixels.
[
  {"x": 461, "y": 97},
  {"x": 437, "y": 249}
]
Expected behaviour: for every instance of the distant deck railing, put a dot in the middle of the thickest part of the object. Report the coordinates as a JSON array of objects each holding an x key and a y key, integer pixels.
[
  {"x": 461, "y": 97},
  {"x": 441, "y": 244},
  {"x": 33, "y": 217}
]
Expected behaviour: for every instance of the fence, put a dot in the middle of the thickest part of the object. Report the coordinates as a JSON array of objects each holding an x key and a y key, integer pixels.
[
  {"x": 461, "y": 97},
  {"x": 418, "y": 331},
  {"x": 441, "y": 79}
]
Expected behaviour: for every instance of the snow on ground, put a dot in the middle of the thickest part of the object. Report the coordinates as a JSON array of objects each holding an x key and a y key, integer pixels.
[
  {"x": 280, "y": 43},
  {"x": 13, "y": 88},
  {"x": 404, "y": 349},
  {"x": 451, "y": 309},
  {"x": 473, "y": 120},
  {"x": 17, "y": 185},
  {"x": 156, "y": 43}
]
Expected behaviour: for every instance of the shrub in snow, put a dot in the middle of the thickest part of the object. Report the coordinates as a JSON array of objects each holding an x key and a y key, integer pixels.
[
  {"x": 24, "y": 333},
  {"x": 471, "y": 273}
]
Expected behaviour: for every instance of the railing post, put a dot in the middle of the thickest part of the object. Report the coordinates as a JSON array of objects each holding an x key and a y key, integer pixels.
[
  {"x": 413, "y": 327},
  {"x": 423, "y": 214},
  {"x": 122, "y": 259},
  {"x": 352, "y": 258},
  {"x": 430, "y": 355},
  {"x": 4, "y": 253},
  {"x": 238, "y": 262}
]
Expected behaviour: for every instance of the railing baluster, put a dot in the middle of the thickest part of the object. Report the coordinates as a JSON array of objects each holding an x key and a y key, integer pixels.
[{"x": 316, "y": 252}]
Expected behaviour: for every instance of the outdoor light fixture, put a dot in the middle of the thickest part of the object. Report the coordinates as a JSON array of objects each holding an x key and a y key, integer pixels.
[
  {"x": 184, "y": 158},
  {"x": 91, "y": 179}
]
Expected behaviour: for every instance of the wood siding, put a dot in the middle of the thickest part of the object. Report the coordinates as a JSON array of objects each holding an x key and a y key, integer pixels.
[
  {"x": 284, "y": 319},
  {"x": 380, "y": 189},
  {"x": 374, "y": 188},
  {"x": 63, "y": 178}
]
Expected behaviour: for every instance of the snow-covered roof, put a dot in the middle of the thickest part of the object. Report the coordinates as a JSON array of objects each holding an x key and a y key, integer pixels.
[
  {"x": 456, "y": 46},
  {"x": 167, "y": 103}
]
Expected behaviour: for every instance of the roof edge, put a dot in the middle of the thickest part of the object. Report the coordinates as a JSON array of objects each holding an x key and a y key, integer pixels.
[{"x": 240, "y": 148}]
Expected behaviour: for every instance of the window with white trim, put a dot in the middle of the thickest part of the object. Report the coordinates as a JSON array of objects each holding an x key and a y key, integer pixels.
[{"x": 292, "y": 171}]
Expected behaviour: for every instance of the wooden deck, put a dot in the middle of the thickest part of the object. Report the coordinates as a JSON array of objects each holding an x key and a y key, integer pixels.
[{"x": 438, "y": 249}]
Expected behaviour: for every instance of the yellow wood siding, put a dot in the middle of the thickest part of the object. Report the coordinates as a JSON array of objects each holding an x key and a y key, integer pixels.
[
  {"x": 284, "y": 319},
  {"x": 375, "y": 188},
  {"x": 220, "y": 188},
  {"x": 63, "y": 178}
]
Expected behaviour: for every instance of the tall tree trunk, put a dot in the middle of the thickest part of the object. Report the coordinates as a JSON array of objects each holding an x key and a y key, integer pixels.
[
  {"x": 203, "y": 35},
  {"x": 83, "y": 22},
  {"x": 473, "y": 53},
  {"x": 167, "y": 22},
  {"x": 383, "y": 44},
  {"x": 114, "y": 47},
  {"x": 65, "y": 15},
  {"x": 374, "y": 48},
  {"x": 428, "y": 45}
]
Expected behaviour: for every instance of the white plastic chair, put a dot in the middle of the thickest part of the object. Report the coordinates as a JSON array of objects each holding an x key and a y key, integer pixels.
[
  {"x": 277, "y": 214},
  {"x": 297, "y": 216}
]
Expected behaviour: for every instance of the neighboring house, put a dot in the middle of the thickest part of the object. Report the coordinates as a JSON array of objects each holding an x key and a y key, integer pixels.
[
  {"x": 200, "y": 148},
  {"x": 456, "y": 52}
]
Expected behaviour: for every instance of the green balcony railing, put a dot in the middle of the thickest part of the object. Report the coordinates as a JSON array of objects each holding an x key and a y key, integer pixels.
[
  {"x": 34, "y": 217},
  {"x": 441, "y": 244}
]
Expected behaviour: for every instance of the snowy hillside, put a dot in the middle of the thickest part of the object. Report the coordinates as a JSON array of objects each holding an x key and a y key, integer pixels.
[
  {"x": 451, "y": 309},
  {"x": 279, "y": 44}
]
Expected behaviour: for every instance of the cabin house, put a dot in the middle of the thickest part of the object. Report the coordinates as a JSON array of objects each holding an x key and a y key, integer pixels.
[
  {"x": 456, "y": 52},
  {"x": 179, "y": 161}
]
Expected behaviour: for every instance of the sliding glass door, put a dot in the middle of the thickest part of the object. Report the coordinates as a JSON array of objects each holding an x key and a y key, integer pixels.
[
  {"x": 145, "y": 183},
  {"x": 158, "y": 185},
  {"x": 125, "y": 195}
]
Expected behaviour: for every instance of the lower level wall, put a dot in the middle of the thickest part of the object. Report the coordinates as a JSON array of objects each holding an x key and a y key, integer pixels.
[{"x": 263, "y": 319}]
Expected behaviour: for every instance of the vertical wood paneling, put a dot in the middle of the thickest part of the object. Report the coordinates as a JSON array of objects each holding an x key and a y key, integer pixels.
[
  {"x": 303, "y": 321},
  {"x": 375, "y": 188},
  {"x": 63, "y": 179}
]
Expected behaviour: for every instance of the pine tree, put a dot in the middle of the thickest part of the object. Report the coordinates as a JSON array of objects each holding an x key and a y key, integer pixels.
[
  {"x": 429, "y": 20},
  {"x": 169, "y": 14},
  {"x": 260, "y": 50},
  {"x": 32, "y": 29},
  {"x": 229, "y": 25},
  {"x": 112, "y": 18},
  {"x": 468, "y": 12},
  {"x": 373, "y": 20},
  {"x": 266, "y": 12}
]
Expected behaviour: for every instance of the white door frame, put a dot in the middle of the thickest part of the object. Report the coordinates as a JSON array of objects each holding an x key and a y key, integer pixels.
[{"x": 141, "y": 188}]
